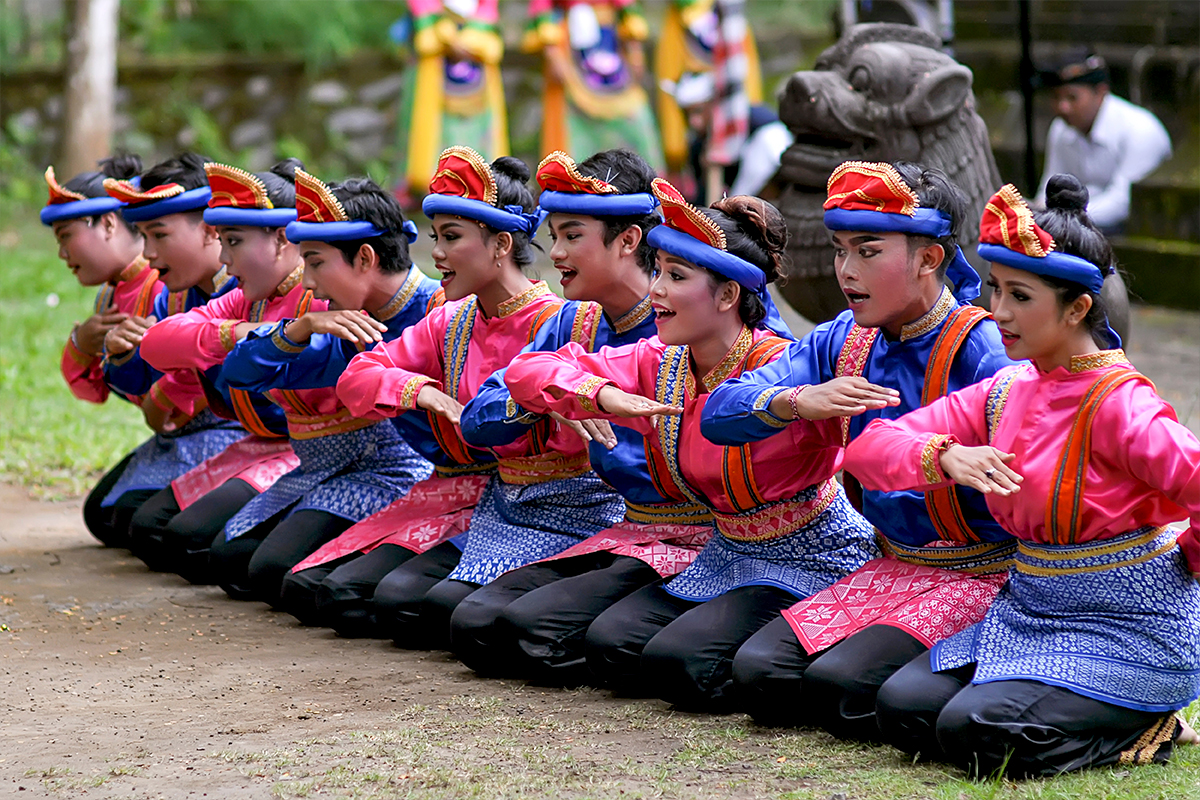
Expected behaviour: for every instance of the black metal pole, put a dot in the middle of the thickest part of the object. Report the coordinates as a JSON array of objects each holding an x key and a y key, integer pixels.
[{"x": 1026, "y": 80}]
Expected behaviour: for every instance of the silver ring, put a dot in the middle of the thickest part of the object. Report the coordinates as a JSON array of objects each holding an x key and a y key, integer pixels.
[{"x": 988, "y": 473}]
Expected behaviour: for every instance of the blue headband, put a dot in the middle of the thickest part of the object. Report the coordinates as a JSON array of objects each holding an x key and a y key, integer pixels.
[
  {"x": 725, "y": 264},
  {"x": 191, "y": 200},
  {"x": 510, "y": 218},
  {"x": 89, "y": 207},
  {"x": 343, "y": 231},
  {"x": 252, "y": 217},
  {"x": 598, "y": 205},
  {"x": 924, "y": 222},
  {"x": 1054, "y": 265}
]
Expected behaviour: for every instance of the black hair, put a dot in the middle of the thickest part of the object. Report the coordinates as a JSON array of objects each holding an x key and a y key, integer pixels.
[
  {"x": 512, "y": 189},
  {"x": 1065, "y": 218},
  {"x": 363, "y": 199},
  {"x": 186, "y": 169},
  {"x": 755, "y": 231},
  {"x": 280, "y": 181},
  {"x": 121, "y": 166},
  {"x": 934, "y": 190},
  {"x": 630, "y": 174}
]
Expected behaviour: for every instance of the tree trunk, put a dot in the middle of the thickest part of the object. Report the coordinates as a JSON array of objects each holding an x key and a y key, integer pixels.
[{"x": 91, "y": 73}]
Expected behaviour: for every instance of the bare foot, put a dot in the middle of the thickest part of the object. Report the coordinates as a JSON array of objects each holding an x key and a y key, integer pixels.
[{"x": 1187, "y": 734}]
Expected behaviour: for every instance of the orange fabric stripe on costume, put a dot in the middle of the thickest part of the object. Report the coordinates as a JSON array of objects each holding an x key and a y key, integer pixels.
[
  {"x": 738, "y": 469},
  {"x": 243, "y": 408},
  {"x": 943, "y": 505},
  {"x": 1064, "y": 503}
]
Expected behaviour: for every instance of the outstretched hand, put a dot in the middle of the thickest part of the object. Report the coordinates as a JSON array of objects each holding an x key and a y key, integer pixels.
[
  {"x": 983, "y": 468},
  {"x": 590, "y": 430},
  {"x": 127, "y": 335},
  {"x": 353, "y": 326},
  {"x": 433, "y": 399},
  {"x": 620, "y": 403},
  {"x": 840, "y": 397}
]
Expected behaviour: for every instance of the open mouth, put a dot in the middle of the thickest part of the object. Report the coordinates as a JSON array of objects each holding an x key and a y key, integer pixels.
[
  {"x": 447, "y": 275},
  {"x": 1008, "y": 337},
  {"x": 661, "y": 314},
  {"x": 566, "y": 274},
  {"x": 855, "y": 298}
]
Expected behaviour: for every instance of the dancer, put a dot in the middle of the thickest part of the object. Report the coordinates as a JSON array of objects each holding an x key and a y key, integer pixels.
[
  {"x": 895, "y": 230},
  {"x": 782, "y": 537},
  {"x": 1093, "y": 643},
  {"x": 172, "y": 530},
  {"x": 531, "y": 621},
  {"x": 545, "y": 496},
  {"x": 166, "y": 204},
  {"x": 349, "y": 467}
]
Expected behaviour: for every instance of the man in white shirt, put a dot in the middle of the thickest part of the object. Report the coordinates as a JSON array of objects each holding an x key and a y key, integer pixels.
[
  {"x": 1105, "y": 141},
  {"x": 760, "y": 154}
]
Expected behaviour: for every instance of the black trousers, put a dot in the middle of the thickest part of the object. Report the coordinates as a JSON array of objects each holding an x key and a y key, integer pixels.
[
  {"x": 111, "y": 525},
  {"x": 338, "y": 594},
  {"x": 413, "y": 603},
  {"x": 679, "y": 650},
  {"x": 531, "y": 622},
  {"x": 1023, "y": 728},
  {"x": 170, "y": 540},
  {"x": 778, "y": 683}
]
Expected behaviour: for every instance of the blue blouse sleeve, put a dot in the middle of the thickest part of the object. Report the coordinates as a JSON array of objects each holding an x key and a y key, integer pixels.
[
  {"x": 738, "y": 410},
  {"x": 268, "y": 359},
  {"x": 128, "y": 373}
]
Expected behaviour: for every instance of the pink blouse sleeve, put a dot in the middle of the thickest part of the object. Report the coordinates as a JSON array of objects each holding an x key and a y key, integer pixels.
[
  {"x": 197, "y": 339},
  {"x": 891, "y": 455},
  {"x": 1148, "y": 443},
  {"x": 568, "y": 380},
  {"x": 385, "y": 381},
  {"x": 83, "y": 373}
]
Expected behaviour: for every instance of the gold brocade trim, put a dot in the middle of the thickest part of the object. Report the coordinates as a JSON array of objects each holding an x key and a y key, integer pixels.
[
  {"x": 133, "y": 270},
  {"x": 1089, "y": 550},
  {"x": 929, "y": 458},
  {"x": 1026, "y": 227},
  {"x": 997, "y": 399},
  {"x": 932, "y": 318},
  {"x": 984, "y": 558},
  {"x": 278, "y": 338},
  {"x": 77, "y": 355},
  {"x": 413, "y": 387},
  {"x": 885, "y": 173},
  {"x": 721, "y": 372},
  {"x": 667, "y": 514},
  {"x": 226, "y": 332},
  {"x": 585, "y": 326},
  {"x": 314, "y": 427},
  {"x": 542, "y": 468},
  {"x": 290, "y": 282},
  {"x": 1091, "y": 361},
  {"x": 242, "y": 178},
  {"x": 1044, "y": 572},
  {"x": 761, "y": 407},
  {"x": 1149, "y": 743},
  {"x": 457, "y": 470},
  {"x": 220, "y": 279},
  {"x": 401, "y": 298},
  {"x": 634, "y": 317},
  {"x": 517, "y": 302},
  {"x": 585, "y": 390},
  {"x": 776, "y": 519}
]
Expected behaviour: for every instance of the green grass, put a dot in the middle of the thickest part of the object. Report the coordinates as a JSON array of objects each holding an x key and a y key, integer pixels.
[{"x": 50, "y": 442}]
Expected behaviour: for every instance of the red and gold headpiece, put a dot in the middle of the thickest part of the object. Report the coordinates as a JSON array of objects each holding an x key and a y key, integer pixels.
[
  {"x": 870, "y": 186},
  {"x": 159, "y": 201},
  {"x": 321, "y": 217},
  {"x": 559, "y": 173},
  {"x": 240, "y": 198},
  {"x": 681, "y": 215},
  {"x": 465, "y": 186},
  {"x": 66, "y": 204},
  {"x": 566, "y": 190},
  {"x": 1007, "y": 221},
  {"x": 59, "y": 194}
]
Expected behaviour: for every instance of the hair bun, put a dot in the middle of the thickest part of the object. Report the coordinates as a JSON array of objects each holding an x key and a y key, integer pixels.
[
  {"x": 286, "y": 169},
  {"x": 514, "y": 168},
  {"x": 121, "y": 166},
  {"x": 1066, "y": 192}
]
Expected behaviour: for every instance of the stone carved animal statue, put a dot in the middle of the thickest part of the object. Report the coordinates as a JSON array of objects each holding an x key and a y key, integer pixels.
[{"x": 884, "y": 92}]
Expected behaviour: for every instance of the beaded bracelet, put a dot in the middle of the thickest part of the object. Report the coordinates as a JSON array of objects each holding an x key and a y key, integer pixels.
[{"x": 793, "y": 395}]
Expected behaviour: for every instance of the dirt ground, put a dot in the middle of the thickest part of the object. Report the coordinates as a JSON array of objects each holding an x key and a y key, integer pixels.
[{"x": 118, "y": 682}]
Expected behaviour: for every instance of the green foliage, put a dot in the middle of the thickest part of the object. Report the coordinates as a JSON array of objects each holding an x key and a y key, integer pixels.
[{"x": 49, "y": 441}]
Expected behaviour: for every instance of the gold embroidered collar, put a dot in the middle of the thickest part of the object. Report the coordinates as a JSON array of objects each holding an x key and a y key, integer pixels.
[
  {"x": 400, "y": 299},
  {"x": 633, "y": 317},
  {"x": 731, "y": 361},
  {"x": 932, "y": 318},
  {"x": 1105, "y": 358},
  {"x": 133, "y": 270},
  {"x": 514, "y": 304},
  {"x": 294, "y": 277},
  {"x": 220, "y": 279}
]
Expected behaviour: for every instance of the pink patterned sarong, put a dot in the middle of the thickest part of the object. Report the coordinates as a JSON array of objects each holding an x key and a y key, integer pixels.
[
  {"x": 256, "y": 460},
  {"x": 930, "y": 603},
  {"x": 434, "y": 510},
  {"x": 667, "y": 547}
]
